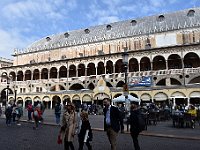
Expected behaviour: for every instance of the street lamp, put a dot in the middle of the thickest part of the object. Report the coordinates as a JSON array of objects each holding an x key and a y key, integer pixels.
[
  {"x": 7, "y": 83},
  {"x": 125, "y": 87}
]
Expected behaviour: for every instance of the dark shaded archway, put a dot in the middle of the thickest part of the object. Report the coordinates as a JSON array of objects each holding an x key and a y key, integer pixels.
[
  {"x": 191, "y": 60},
  {"x": 44, "y": 73},
  {"x": 109, "y": 67},
  {"x": 28, "y": 75},
  {"x": 76, "y": 87},
  {"x": 62, "y": 72},
  {"x": 174, "y": 62},
  {"x": 81, "y": 70},
  {"x": 120, "y": 84},
  {"x": 91, "y": 70},
  {"x": 133, "y": 65},
  {"x": 159, "y": 63},
  {"x": 100, "y": 68},
  {"x": 145, "y": 64},
  {"x": 119, "y": 66},
  {"x": 53, "y": 72}
]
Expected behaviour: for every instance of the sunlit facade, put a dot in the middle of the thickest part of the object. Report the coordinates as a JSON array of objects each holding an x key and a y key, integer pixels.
[{"x": 76, "y": 64}]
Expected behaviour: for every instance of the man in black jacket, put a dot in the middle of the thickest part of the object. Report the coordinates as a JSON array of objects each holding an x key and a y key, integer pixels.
[
  {"x": 134, "y": 123},
  {"x": 111, "y": 122}
]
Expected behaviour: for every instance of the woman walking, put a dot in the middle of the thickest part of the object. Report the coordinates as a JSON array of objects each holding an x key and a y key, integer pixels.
[
  {"x": 85, "y": 134},
  {"x": 68, "y": 126}
]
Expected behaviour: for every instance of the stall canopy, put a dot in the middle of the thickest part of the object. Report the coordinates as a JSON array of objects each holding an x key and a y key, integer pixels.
[{"x": 122, "y": 99}]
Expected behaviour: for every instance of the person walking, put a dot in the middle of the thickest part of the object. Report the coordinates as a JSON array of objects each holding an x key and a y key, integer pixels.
[
  {"x": 134, "y": 124},
  {"x": 19, "y": 113},
  {"x": 36, "y": 116},
  {"x": 122, "y": 116},
  {"x": 58, "y": 112},
  {"x": 30, "y": 110},
  {"x": 85, "y": 134},
  {"x": 8, "y": 114},
  {"x": 111, "y": 122},
  {"x": 68, "y": 127}
]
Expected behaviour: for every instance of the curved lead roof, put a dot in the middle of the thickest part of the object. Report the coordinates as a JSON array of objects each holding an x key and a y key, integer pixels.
[{"x": 184, "y": 19}]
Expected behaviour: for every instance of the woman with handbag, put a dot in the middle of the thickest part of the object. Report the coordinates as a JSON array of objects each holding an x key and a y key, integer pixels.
[
  {"x": 68, "y": 127},
  {"x": 85, "y": 134}
]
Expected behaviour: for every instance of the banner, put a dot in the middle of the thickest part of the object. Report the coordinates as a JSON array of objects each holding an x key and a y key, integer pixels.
[{"x": 140, "y": 81}]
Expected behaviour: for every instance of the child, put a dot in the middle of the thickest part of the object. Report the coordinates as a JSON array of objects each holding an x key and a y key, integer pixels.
[{"x": 85, "y": 134}]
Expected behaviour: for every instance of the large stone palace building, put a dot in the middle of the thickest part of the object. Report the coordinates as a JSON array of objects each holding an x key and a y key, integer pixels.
[{"x": 86, "y": 65}]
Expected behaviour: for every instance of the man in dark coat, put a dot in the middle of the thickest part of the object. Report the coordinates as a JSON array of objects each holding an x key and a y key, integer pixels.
[
  {"x": 134, "y": 123},
  {"x": 111, "y": 122}
]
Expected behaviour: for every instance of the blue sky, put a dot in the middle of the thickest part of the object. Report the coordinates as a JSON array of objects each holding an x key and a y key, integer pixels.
[{"x": 24, "y": 21}]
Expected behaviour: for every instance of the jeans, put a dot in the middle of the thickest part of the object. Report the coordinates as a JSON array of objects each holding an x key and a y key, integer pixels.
[{"x": 57, "y": 118}]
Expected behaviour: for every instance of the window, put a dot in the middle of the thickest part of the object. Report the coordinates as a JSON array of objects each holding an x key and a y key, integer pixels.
[
  {"x": 48, "y": 39},
  {"x": 108, "y": 27},
  {"x": 133, "y": 22},
  {"x": 191, "y": 13},
  {"x": 87, "y": 31},
  {"x": 66, "y": 35},
  {"x": 63, "y": 56},
  {"x": 161, "y": 18}
]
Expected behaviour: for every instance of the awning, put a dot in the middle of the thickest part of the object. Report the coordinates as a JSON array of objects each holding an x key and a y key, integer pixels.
[
  {"x": 46, "y": 99},
  {"x": 145, "y": 97},
  {"x": 76, "y": 97},
  {"x": 160, "y": 97},
  {"x": 86, "y": 98},
  {"x": 36, "y": 99},
  {"x": 195, "y": 95}
]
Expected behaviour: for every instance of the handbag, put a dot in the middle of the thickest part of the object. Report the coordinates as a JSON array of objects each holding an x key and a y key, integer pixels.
[{"x": 59, "y": 139}]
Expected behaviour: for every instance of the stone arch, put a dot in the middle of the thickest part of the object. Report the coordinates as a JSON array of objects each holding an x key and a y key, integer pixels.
[
  {"x": 179, "y": 98},
  {"x": 76, "y": 86},
  {"x": 145, "y": 64},
  {"x": 145, "y": 97},
  {"x": 161, "y": 82},
  {"x": 28, "y": 75},
  {"x": 81, "y": 70},
  {"x": 44, "y": 73},
  {"x": 195, "y": 80},
  {"x": 87, "y": 99},
  {"x": 120, "y": 84},
  {"x": 55, "y": 99},
  {"x": 100, "y": 68},
  {"x": 159, "y": 63},
  {"x": 194, "y": 97},
  {"x": 174, "y": 62},
  {"x": 119, "y": 66},
  {"x": 108, "y": 84},
  {"x": 117, "y": 95},
  {"x": 62, "y": 72},
  {"x": 175, "y": 82},
  {"x": 47, "y": 102},
  {"x": 160, "y": 97},
  {"x": 72, "y": 71},
  {"x": 191, "y": 60},
  {"x": 134, "y": 95},
  {"x": 53, "y": 72},
  {"x": 133, "y": 65},
  {"x": 66, "y": 99},
  {"x": 91, "y": 70},
  {"x": 27, "y": 101},
  {"x": 13, "y": 75},
  {"x": 36, "y": 74},
  {"x": 20, "y": 75},
  {"x": 109, "y": 67},
  {"x": 91, "y": 86},
  {"x": 20, "y": 101}
]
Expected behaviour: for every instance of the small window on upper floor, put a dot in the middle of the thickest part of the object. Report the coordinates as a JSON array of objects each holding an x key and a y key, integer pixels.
[
  {"x": 87, "y": 31},
  {"x": 32, "y": 61},
  {"x": 66, "y": 35},
  {"x": 63, "y": 56},
  {"x": 108, "y": 27},
  {"x": 161, "y": 18},
  {"x": 133, "y": 22},
  {"x": 48, "y": 39},
  {"x": 191, "y": 13}
]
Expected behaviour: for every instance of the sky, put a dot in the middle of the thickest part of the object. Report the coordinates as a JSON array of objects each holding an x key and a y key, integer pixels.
[{"x": 24, "y": 21}]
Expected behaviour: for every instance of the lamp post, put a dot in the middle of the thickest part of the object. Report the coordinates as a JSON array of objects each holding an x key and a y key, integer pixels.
[
  {"x": 7, "y": 85},
  {"x": 125, "y": 87}
]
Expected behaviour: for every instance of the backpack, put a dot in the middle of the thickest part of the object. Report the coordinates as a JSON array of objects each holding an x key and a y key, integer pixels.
[{"x": 141, "y": 122}]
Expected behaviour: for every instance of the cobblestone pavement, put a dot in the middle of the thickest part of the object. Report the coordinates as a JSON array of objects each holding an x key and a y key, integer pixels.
[{"x": 25, "y": 138}]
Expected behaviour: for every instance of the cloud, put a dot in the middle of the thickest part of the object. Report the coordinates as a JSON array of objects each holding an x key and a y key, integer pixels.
[{"x": 10, "y": 40}]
